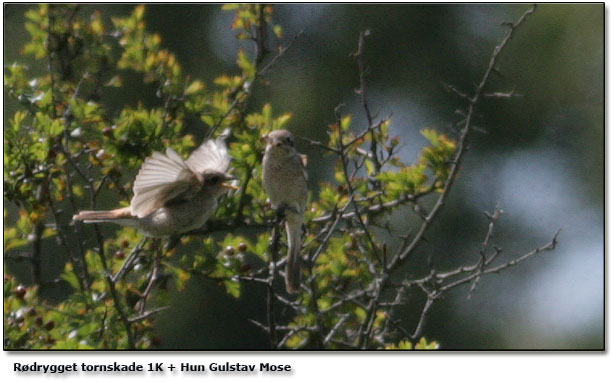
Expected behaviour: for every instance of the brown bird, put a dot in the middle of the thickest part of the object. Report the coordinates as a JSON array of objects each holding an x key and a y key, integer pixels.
[
  {"x": 285, "y": 181},
  {"x": 172, "y": 196}
]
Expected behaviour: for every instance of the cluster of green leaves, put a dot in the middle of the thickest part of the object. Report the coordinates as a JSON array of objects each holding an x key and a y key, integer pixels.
[
  {"x": 422, "y": 344},
  {"x": 27, "y": 323},
  {"x": 63, "y": 149},
  {"x": 248, "y": 16},
  {"x": 63, "y": 142},
  {"x": 18, "y": 235},
  {"x": 79, "y": 322}
]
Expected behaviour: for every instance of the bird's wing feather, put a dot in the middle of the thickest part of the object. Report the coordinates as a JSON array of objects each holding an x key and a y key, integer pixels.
[
  {"x": 304, "y": 163},
  {"x": 161, "y": 179},
  {"x": 300, "y": 162},
  {"x": 211, "y": 155}
]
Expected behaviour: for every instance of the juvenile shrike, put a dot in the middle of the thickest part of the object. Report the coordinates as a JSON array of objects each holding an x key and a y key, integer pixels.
[
  {"x": 172, "y": 196},
  {"x": 285, "y": 181}
]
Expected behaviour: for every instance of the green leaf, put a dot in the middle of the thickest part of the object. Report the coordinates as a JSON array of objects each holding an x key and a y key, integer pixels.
[
  {"x": 208, "y": 120},
  {"x": 14, "y": 243},
  {"x": 230, "y": 7},
  {"x": 195, "y": 87},
  {"x": 246, "y": 65},
  {"x": 57, "y": 127},
  {"x": 70, "y": 277},
  {"x": 403, "y": 345},
  {"x": 424, "y": 345},
  {"x": 281, "y": 121},
  {"x": 346, "y": 122},
  {"x": 88, "y": 329},
  {"x": 278, "y": 31},
  {"x": 115, "y": 81},
  {"x": 370, "y": 166},
  {"x": 233, "y": 288},
  {"x": 139, "y": 12}
]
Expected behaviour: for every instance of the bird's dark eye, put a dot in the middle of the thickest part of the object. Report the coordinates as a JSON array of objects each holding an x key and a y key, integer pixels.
[
  {"x": 214, "y": 179},
  {"x": 289, "y": 141}
]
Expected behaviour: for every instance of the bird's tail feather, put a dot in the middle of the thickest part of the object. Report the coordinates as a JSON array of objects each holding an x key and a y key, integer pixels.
[
  {"x": 121, "y": 216},
  {"x": 292, "y": 272}
]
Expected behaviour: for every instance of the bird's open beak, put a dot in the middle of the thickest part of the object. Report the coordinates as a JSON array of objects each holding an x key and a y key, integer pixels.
[{"x": 230, "y": 186}]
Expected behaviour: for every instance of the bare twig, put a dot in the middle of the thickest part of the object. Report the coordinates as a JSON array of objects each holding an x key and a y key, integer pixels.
[
  {"x": 461, "y": 145},
  {"x": 147, "y": 314},
  {"x": 113, "y": 291},
  {"x": 364, "y": 101},
  {"x": 141, "y": 306},
  {"x": 352, "y": 298},
  {"x": 36, "y": 235},
  {"x": 323, "y": 245},
  {"x": 107, "y": 272},
  {"x": 319, "y": 144},
  {"x": 242, "y": 193},
  {"x": 336, "y": 327},
  {"x": 344, "y": 162},
  {"x": 291, "y": 333},
  {"x": 81, "y": 277},
  {"x": 273, "y": 258},
  {"x": 483, "y": 259},
  {"x": 260, "y": 34},
  {"x": 127, "y": 264},
  {"x": 281, "y": 51},
  {"x": 425, "y": 310},
  {"x": 381, "y": 280},
  {"x": 510, "y": 94}
]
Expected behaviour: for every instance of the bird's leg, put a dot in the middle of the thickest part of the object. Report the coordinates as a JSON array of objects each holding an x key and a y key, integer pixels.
[
  {"x": 282, "y": 209},
  {"x": 281, "y": 212},
  {"x": 172, "y": 242}
]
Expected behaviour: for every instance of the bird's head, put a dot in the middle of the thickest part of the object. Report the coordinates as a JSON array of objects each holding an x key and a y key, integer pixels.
[
  {"x": 217, "y": 181},
  {"x": 279, "y": 139}
]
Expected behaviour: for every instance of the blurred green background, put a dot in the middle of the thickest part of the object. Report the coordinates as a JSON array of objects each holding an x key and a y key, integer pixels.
[{"x": 541, "y": 157}]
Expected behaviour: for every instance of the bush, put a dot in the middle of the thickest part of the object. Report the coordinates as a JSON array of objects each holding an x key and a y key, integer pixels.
[{"x": 63, "y": 150}]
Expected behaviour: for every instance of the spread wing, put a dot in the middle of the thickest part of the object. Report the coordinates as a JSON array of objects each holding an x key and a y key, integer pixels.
[
  {"x": 211, "y": 155},
  {"x": 161, "y": 179}
]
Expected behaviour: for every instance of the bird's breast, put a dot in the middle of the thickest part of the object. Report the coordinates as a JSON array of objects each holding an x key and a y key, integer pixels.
[
  {"x": 283, "y": 180},
  {"x": 179, "y": 217}
]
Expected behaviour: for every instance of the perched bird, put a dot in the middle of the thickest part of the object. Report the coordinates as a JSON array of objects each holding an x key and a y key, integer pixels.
[
  {"x": 285, "y": 181},
  {"x": 172, "y": 196}
]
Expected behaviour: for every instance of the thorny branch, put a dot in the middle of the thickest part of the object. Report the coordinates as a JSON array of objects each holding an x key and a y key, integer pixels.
[
  {"x": 381, "y": 295},
  {"x": 473, "y": 101},
  {"x": 259, "y": 38},
  {"x": 141, "y": 306},
  {"x": 274, "y": 247},
  {"x": 241, "y": 94},
  {"x": 59, "y": 63},
  {"x": 364, "y": 101}
]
